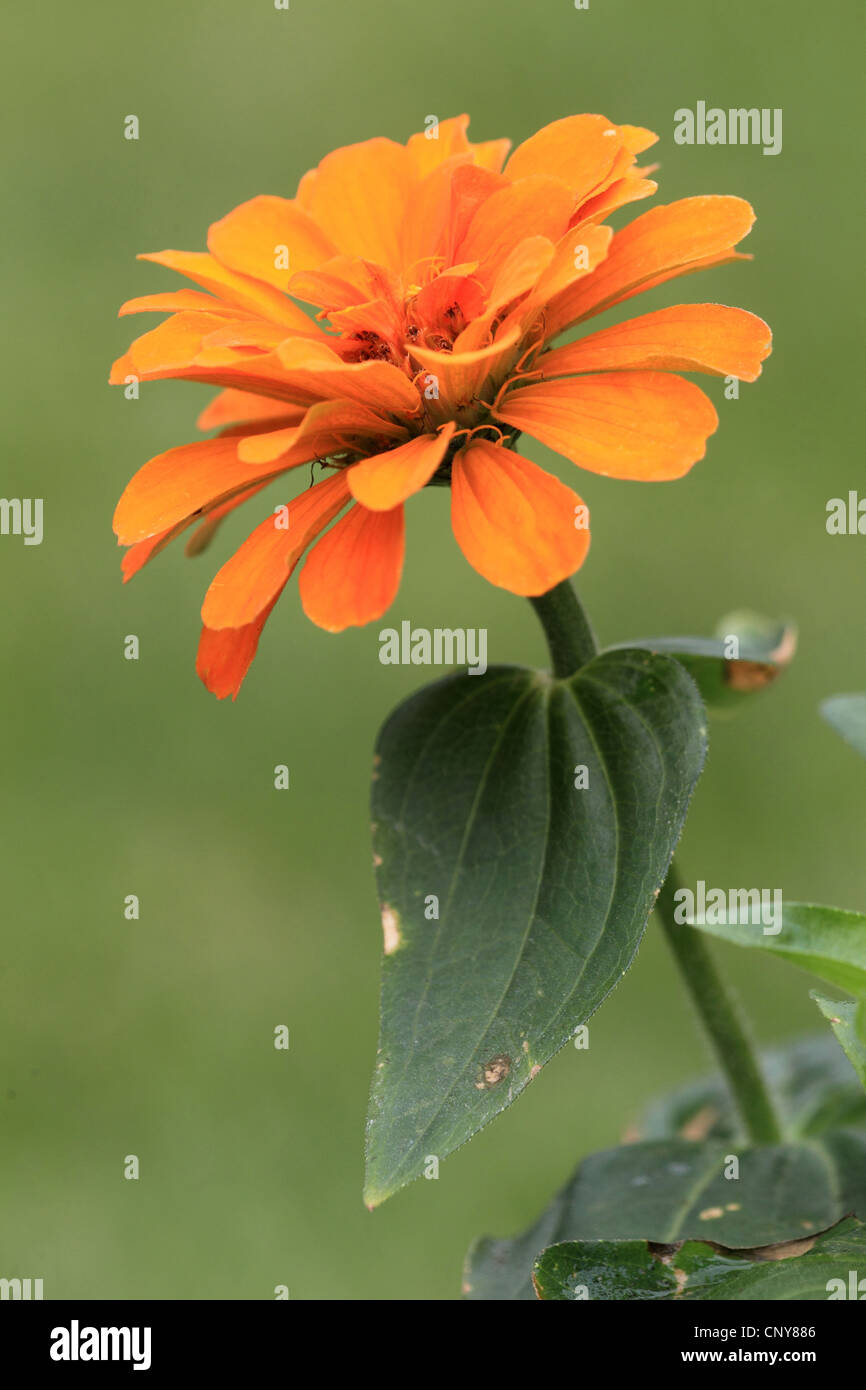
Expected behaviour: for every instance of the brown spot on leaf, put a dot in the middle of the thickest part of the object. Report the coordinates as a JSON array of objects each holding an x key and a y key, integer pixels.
[
  {"x": 390, "y": 929},
  {"x": 493, "y": 1072},
  {"x": 747, "y": 676},
  {"x": 784, "y": 1250},
  {"x": 712, "y": 1213},
  {"x": 664, "y": 1250},
  {"x": 754, "y": 675}
]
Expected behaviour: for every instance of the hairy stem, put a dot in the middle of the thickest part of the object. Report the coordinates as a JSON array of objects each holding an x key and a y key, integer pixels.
[
  {"x": 723, "y": 1021},
  {"x": 570, "y": 638}
]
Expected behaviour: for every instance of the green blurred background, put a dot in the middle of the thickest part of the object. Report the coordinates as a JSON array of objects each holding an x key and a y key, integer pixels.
[{"x": 257, "y": 907}]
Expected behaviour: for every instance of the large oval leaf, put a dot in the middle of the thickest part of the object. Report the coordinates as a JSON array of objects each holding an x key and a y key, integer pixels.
[
  {"x": 513, "y": 900},
  {"x": 809, "y": 1271}
]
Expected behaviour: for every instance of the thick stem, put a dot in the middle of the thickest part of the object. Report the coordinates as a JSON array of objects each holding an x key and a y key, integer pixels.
[
  {"x": 723, "y": 1021},
  {"x": 569, "y": 636}
]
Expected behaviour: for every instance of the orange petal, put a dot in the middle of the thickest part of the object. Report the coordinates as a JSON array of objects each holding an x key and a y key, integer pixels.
[
  {"x": 246, "y": 332},
  {"x": 213, "y": 518},
  {"x": 459, "y": 296},
  {"x": 575, "y": 256},
  {"x": 628, "y": 190},
  {"x": 579, "y": 150},
  {"x": 344, "y": 281},
  {"x": 378, "y": 316},
  {"x": 460, "y": 377},
  {"x": 491, "y": 154},
  {"x": 448, "y": 138},
  {"x": 534, "y": 206},
  {"x": 224, "y": 657},
  {"x": 468, "y": 189},
  {"x": 520, "y": 271},
  {"x": 328, "y": 427},
  {"x": 178, "y": 344},
  {"x": 248, "y": 294},
  {"x": 518, "y": 526},
  {"x": 177, "y": 485},
  {"x": 637, "y": 138},
  {"x": 385, "y": 480},
  {"x": 260, "y": 235},
  {"x": 255, "y": 574},
  {"x": 359, "y": 195},
  {"x": 316, "y": 371},
  {"x": 428, "y": 221},
  {"x": 642, "y": 425},
  {"x": 175, "y": 348},
  {"x": 622, "y": 170},
  {"x": 138, "y": 555},
  {"x": 426, "y": 153},
  {"x": 176, "y": 301},
  {"x": 689, "y": 338},
  {"x": 173, "y": 343},
  {"x": 242, "y": 407},
  {"x": 662, "y": 243},
  {"x": 353, "y": 573}
]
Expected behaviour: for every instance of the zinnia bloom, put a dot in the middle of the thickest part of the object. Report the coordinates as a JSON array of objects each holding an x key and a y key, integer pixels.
[{"x": 439, "y": 273}]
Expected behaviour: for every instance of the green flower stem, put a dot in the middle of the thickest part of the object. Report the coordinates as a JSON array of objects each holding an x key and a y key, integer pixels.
[
  {"x": 569, "y": 636},
  {"x": 572, "y": 644},
  {"x": 723, "y": 1020}
]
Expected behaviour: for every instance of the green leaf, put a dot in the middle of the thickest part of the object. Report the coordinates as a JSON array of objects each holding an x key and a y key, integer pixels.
[
  {"x": 805, "y": 1272},
  {"x": 764, "y": 648},
  {"x": 842, "y": 1017},
  {"x": 542, "y": 888},
  {"x": 847, "y": 715},
  {"x": 827, "y": 941},
  {"x": 671, "y": 1185}
]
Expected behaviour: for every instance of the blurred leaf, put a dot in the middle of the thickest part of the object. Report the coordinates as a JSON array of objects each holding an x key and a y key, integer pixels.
[
  {"x": 813, "y": 1083},
  {"x": 847, "y": 715},
  {"x": 671, "y": 1189},
  {"x": 542, "y": 888},
  {"x": 842, "y": 1017},
  {"x": 764, "y": 648},
  {"x": 800, "y": 1272},
  {"x": 827, "y": 941}
]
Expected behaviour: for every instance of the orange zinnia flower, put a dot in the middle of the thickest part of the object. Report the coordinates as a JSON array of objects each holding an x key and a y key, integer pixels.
[{"x": 439, "y": 277}]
